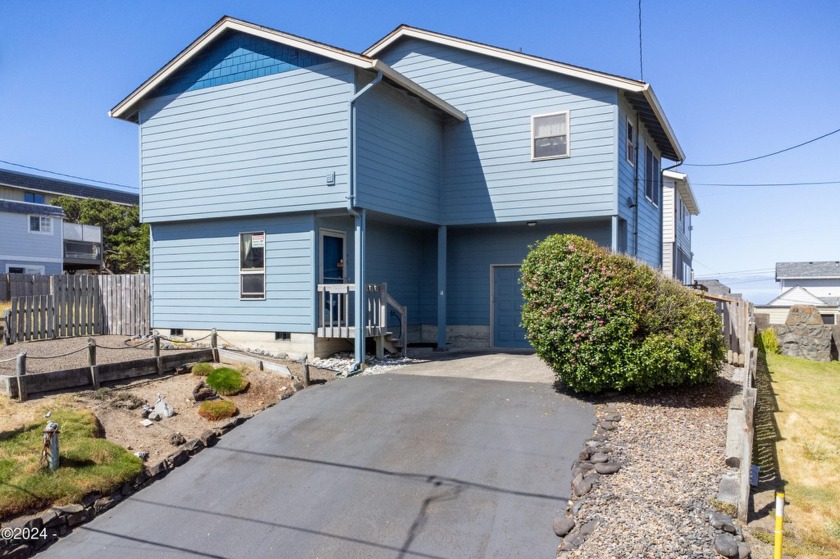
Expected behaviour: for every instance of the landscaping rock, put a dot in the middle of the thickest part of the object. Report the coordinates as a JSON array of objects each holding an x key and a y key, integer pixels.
[
  {"x": 588, "y": 528},
  {"x": 20, "y": 552},
  {"x": 178, "y": 458},
  {"x": 607, "y": 468},
  {"x": 563, "y": 525},
  {"x": 177, "y": 439},
  {"x": 607, "y": 425},
  {"x": 571, "y": 542},
  {"x": 142, "y": 455},
  {"x": 227, "y": 426},
  {"x": 208, "y": 437},
  {"x": 726, "y": 545},
  {"x": 77, "y": 518},
  {"x": 599, "y": 457},
  {"x": 50, "y": 518},
  {"x": 157, "y": 469},
  {"x": 582, "y": 487},
  {"x": 614, "y": 417},
  {"x": 204, "y": 392},
  {"x": 744, "y": 551},
  {"x": 723, "y": 522},
  {"x": 67, "y": 510},
  {"x": 194, "y": 445},
  {"x": 104, "y": 503}
]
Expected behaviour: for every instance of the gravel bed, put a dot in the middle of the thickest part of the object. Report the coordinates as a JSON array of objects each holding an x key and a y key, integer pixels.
[
  {"x": 343, "y": 363},
  {"x": 46, "y": 348},
  {"x": 671, "y": 448}
]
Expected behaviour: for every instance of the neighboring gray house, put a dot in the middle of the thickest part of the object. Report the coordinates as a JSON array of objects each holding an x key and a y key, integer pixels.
[
  {"x": 678, "y": 205},
  {"x": 806, "y": 283},
  {"x": 34, "y": 239},
  {"x": 279, "y": 174}
]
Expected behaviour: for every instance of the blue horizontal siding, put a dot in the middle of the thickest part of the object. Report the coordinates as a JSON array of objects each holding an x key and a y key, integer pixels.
[
  {"x": 488, "y": 172},
  {"x": 259, "y": 146},
  {"x": 17, "y": 240},
  {"x": 196, "y": 275},
  {"x": 472, "y": 251},
  {"x": 398, "y": 155}
]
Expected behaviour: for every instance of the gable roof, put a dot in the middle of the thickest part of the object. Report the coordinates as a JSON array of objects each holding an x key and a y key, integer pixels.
[
  {"x": 808, "y": 270},
  {"x": 127, "y": 109},
  {"x": 798, "y": 296},
  {"x": 639, "y": 94},
  {"x": 684, "y": 188},
  {"x": 37, "y": 183}
]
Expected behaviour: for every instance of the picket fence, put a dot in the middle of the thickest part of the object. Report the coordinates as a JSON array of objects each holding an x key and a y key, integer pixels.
[{"x": 80, "y": 305}]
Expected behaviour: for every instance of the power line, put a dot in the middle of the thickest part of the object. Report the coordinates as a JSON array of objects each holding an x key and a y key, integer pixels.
[
  {"x": 765, "y": 183},
  {"x": 641, "y": 63},
  {"x": 761, "y": 156},
  {"x": 66, "y": 175}
]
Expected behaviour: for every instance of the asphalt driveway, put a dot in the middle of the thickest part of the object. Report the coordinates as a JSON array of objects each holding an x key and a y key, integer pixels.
[{"x": 392, "y": 465}]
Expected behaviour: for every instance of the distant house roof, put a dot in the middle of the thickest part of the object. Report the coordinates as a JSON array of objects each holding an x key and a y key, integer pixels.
[
  {"x": 639, "y": 94},
  {"x": 808, "y": 270},
  {"x": 12, "y": 206},
  {"x": 801, "y": 296},
  {"x": 684, "y": 188},
  {"x": 127, "y": 109},
  {"x": 37, "y": 183}
]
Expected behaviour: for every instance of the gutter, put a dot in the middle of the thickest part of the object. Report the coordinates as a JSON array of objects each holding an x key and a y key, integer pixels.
[{"x": 360, "y": 224}]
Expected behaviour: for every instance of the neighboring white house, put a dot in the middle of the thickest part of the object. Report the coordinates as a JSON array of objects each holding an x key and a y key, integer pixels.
[
  {"x": 806, "y": 283},
  {"x": 678, "y": 205}
]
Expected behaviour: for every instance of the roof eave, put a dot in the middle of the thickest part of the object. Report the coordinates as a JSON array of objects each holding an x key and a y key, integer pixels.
[{"x": 416, "y": 89}]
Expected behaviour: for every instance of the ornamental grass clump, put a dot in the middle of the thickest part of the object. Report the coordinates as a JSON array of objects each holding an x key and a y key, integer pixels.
[
  {"x": 202, "y": 369},
  {"x": 227, "y": 381},
  {"x": 215, "y": 410},
  {"x": 606, "y": 321}
]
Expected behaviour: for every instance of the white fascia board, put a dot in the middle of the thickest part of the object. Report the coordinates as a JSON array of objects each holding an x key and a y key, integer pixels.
[
  {"x": 504, "y": 54},
  {"x": 684, "y": 188},
  {"x": 416, "y": 89},
  {"x": 126, "y": 105}
]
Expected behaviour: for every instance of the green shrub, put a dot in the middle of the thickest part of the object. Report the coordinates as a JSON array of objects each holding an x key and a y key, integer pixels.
[
  {"x": 217, "y": 409},
  {"x": 202, "y": 369},
  {"x": 605, "y": 321},
  {"x": 227, "y": 381},
  {"x": 768, "y": 342}
]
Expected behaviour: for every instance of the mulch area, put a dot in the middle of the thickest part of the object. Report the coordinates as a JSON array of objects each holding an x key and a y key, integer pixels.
[{"x": 41, "y": 355}]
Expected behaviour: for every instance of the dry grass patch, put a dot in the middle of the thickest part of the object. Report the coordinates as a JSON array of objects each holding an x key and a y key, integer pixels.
[
  {"x": 87, "y": 464},
  {"x": 215, "y": 410},
  {"x": 808, "y": 397},
  {"x": 202, "y": 369}
]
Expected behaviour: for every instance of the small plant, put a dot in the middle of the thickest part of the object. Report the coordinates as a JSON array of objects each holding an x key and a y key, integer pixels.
[
  {"x": 725, "y": 508},
  {"x": 768, "y": 342},
  {"x": 202, "y": 369},
  {"x": 215, "y": 410},
  {"x": 126, "y": 400},
  {"x": 101, "y": 393},
  {"x": 227, "y": 381}
]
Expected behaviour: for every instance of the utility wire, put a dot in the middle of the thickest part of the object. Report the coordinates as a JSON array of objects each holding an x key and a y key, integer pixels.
[
  {"x": 66, "y": 175},
  {"x": 761, "y": 156},
  {"x": 764, "y": 183},
  {"x": 641, "y": 63}
]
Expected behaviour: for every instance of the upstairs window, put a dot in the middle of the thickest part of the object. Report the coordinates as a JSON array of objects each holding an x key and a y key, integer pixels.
[
  {"x": 630, "y": 144},
  {"x": 653, "y": 184},
  {"x": 40, "y": 224},
  {"x": 252, "y": 265},
  {"x": 33, "y": 198},
  {"x": 550, "y": 136}
]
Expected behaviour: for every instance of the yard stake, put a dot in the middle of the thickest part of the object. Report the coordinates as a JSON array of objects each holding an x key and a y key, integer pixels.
[
  {"x": 214, "y": 344},
  {"x": 21, "y": 376},
  {"x": 780, "y": 520},
  {"x": 94, "y": 370}
]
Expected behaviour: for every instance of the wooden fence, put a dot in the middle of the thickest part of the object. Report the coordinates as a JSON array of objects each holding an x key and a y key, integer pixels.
[
  {"x": 738, "y": 327},
  {"x": 23, "y": 285},
  {"x": 81, "y": 305}
]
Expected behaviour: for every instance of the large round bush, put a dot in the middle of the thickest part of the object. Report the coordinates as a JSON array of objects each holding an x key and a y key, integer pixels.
[{"x": 606, "y": 321}]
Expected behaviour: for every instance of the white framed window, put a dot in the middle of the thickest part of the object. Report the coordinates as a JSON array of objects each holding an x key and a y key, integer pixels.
[
  {"x": 252, "y": 265},
  {"x": 630, "y": 143},
  {"x": 550, "y": 136},
  {"x": 40, "y": 224},
  {"x": 653, "y": 178}
]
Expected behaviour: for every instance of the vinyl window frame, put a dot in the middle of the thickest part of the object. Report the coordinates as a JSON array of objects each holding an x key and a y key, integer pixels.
[
  {"x": 630, "y": 141},
  {"x": 42, "y": 220},
  {"x": 653, "y": 180},
  {"x": 534, "y": 137},
  {"x": 252, "y": 271}
]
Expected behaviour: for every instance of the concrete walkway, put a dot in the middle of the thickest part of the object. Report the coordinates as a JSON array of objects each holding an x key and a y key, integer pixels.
[
  {"x": 510, "y": 365},
  {"x": 392, "y": 465}
]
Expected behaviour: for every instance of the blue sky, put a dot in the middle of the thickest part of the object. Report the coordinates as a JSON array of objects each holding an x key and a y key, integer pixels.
[{"x": 736, "y": 79}]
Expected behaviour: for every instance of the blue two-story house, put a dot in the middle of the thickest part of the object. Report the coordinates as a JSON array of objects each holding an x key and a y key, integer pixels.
[{"x": 292, "y": 186}]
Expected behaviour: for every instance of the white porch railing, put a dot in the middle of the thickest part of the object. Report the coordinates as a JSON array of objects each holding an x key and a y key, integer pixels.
[{"x": 336, "y": 317}]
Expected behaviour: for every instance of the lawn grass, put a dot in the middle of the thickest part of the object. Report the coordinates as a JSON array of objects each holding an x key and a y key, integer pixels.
[
  {"x": 88, "y": 464},
  {"x": 808, "y": 398},
  {"x": 227, "y": 382}
]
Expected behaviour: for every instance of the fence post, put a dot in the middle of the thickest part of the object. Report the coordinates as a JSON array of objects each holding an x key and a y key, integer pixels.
[
  {"x": 94, "y": 369},
  {"x": 7, "y": 337},
  {"x": 158, "y": 361},
  {"x": 21, "y": 376},
  {"x": 214, "y": 345},
  {"x": 305, "y": 371}
]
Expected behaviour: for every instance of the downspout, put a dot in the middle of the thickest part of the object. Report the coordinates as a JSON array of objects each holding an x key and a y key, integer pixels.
[
  {"x": 636, "y": 191},
  {"x": 360, "y": 225}
]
